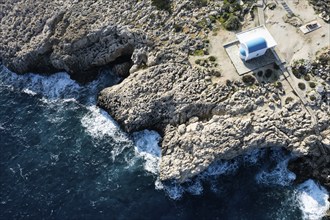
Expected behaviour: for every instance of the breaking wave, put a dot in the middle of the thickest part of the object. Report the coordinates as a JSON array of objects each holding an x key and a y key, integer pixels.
[
  {"x": 147, "y": 147},
  {"x": 54, "y": 87},
  {"x": 278, "y": 174},
  {"x": 60, "y": 89},
  {"x": 313, "y": 200}
]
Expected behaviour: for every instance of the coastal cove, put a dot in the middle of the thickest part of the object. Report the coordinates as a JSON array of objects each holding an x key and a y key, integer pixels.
[
  {"x": 165, "y": 109},
  {"x": 62, "y": 157}
]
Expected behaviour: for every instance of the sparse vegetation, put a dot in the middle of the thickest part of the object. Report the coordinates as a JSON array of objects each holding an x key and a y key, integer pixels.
[
  {"x": 199, "y": 53},
  {"x": 232, "y": 23},
  {"x": 230, "y": 10}
]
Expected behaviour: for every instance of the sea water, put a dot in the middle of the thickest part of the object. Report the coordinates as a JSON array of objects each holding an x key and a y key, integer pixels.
[{"x": 61, "y": 157}]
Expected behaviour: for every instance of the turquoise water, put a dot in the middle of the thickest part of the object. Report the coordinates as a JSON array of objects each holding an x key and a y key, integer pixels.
[{"x": 61, "y": 157}]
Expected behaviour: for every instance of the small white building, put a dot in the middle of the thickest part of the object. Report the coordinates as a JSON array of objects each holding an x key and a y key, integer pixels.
[{"x": 255, "y": 42}]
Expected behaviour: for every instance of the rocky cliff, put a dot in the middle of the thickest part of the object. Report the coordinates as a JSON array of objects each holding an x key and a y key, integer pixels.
[
  {"x": 200, "y": 117},
  {"x": 76, "y": 36}
]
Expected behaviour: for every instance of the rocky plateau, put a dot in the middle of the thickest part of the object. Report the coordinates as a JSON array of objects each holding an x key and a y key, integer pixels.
[{"x": 200, "y": 120}]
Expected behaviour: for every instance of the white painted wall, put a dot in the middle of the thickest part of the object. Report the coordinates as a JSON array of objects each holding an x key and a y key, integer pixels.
[{"x": 255, "y": 54}]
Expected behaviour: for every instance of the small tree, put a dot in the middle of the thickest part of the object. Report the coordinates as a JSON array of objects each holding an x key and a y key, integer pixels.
[
  {"x": 248, "y": 79},
  {"x": 302, "y": 86},
  {"x": 232, "y": 23},
  {"x": 268, "y": 73},
  {"x": 162, "y": 4},
  {"x": 212, "y": 58}
]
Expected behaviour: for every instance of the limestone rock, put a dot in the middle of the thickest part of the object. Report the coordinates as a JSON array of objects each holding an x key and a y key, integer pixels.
[{"x": 200, "y": 121}]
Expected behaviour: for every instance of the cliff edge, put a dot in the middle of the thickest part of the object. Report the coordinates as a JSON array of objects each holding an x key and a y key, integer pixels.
[{"x": 201, "y": 116}]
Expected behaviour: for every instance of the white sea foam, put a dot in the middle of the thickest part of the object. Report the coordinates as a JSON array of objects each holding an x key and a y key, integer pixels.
[
  {"x": 280, "y": 175},
  {"x": 158, "y": 184},
  {"x": 313, "y": 200},
  {"x": 195, "y": 187},
  {"x": 53, "y": 87},
  {"x": 146, "y": 146},
  {"x": 98, "y": 123},
  {"x": 28, "y": 91},
  {"x": 220, "y": 168},
  {"x": 174, "y": 191}
]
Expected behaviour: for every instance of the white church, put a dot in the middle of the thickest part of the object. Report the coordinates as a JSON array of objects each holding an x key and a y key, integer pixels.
[{"x": 255, "y": 42}]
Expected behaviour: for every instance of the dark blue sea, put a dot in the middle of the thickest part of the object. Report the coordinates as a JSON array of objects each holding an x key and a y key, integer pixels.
[{"x": 61, "y": 157}]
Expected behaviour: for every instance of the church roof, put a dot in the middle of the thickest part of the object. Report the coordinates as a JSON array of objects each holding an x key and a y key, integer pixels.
[{"x": 256, "y": 37}]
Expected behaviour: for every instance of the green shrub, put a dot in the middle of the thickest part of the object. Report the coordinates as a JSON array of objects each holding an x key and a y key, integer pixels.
[
  {"x": 302, "y": 86},
  {"x": 296, "y": 73},
  {"x": 248, "y": 79},
  {"x": 200, "y": 3},
  {"x": 260, "y": 73},
  {"x": 216, "y": 73},
  {"x": 207, "y": 41},
  {"x": 268, "y": 73},
  {"x": 226, "y": 7},
  {"x": 162, "y": 4},
  {"x": 307, "y": 77},
  {"x": 229, "y": 1},
  {"x": 232, "y": 23},
  {"x": 213, "y": 19},
  {"x": 236, "y": 6},
  {"x": 278, "y": 85},
  {"x": 199, "y": 53},
  {"x": 177, "y": 28},
  {"x": 312, "y": 97},
  {"x": 212, "y": 58},
  {"x": 288, "y": 100},
  {"x": 198, "y": 61},
  {"x": 312, "y": 85}
]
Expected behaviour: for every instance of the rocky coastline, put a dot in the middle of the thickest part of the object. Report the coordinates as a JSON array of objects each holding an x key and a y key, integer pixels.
[{"x": 200, "y": 119}]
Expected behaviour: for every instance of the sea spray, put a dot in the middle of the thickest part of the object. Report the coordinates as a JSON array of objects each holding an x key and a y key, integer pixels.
[
  {"x": 313, "y": 200},
  {"x": 79, "y": 139},
  {"x": 58, "y": 86},
  {"x": 147, "y": 147},
  {"x": 99, "y": 125},
  {"x": 277, "y": 174}
]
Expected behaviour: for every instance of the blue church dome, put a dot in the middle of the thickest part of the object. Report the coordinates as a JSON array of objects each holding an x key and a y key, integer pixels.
[
  {"x": 242, "y": 52},
  {"x": 256, "y": 44}
]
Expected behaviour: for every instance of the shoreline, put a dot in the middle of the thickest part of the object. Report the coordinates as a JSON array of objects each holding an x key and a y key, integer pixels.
[{"x": 201, "y": 116}]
